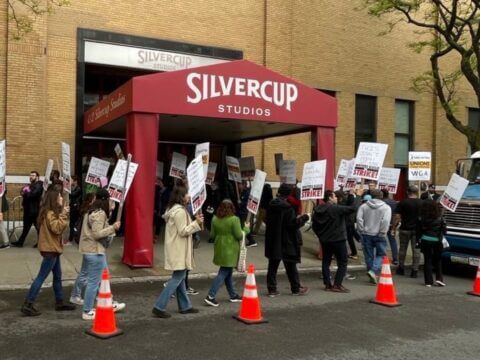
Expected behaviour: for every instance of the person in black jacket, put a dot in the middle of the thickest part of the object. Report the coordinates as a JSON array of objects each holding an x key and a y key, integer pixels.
[
  {"x": 75, "y": 202},
  {"x": 32, "y": 195},
  {"x": 430, "y": 230},
  {"x": 329, "y": 224},
  {"x": 281, "y": 242}
]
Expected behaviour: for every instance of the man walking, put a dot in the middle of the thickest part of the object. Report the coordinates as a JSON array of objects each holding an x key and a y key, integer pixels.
[
  {"x": 32, "y": 194},
  {"x": 282, "y": 242},
  {"x": 373, "y": 222},
  {"x": 328, "y": 223},
  {"x": 407, "y": 212}
]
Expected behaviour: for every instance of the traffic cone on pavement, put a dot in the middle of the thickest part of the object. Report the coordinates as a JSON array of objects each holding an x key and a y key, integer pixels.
[
  {"x": 476, "y": 284},
  {"x": 104, "y": 324},
  {"x": 250, "y": 311},
  {"x": 386, "y": 294}
]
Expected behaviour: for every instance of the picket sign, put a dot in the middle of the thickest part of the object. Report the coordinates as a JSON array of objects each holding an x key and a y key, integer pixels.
[
  {"x": 178, "y": 165},
  {"x": 97, "y": 169},
  {"x": 212, "y": 169},
  {"x": 119, "y": 152},
  {"x": 3, "y": 170},
  {"x": 48, "y": 173},
  {"x": 256, "y": 191},
  {"x": 247, "y": 167},
  {"x": 288, "y": 172},
  {"x": 196, "y": 184},
  {"x": 419, "y": 165},
  {"x": 67, "y": 178},
  {"x": 204, "y": 151},
  {"x": 369, "y": 160},
  {"x": 313, "y": 180},
  {"x": 454, "y": 192},
  {"x": 389, "y": 179},
  {"x": 118, "y": 186}
]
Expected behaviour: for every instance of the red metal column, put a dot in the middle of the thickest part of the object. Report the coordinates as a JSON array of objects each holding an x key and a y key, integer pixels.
[
  {"x": 142, "y": 143},
  {"x": 325, "y": 149}
]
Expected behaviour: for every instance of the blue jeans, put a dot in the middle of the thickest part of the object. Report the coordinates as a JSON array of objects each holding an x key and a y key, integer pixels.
[
  {"x": 175, "y": 284},
  {"x": 224, "y": 276},
  {"x": 393, "y": 246},
  {"x": 374, "y": 248},
  {"x": 94, "y": 266},
  {"x": 81, "y": 281},
  {"x": 49, "y": 263}
]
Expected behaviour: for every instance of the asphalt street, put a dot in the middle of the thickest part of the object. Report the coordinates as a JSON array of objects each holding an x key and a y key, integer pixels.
[{"x": 433, "y": 323}]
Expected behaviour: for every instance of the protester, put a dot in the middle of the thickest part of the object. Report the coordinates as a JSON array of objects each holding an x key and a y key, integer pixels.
[
  {"x": 407, "y": 212},
  {"x": 4, "y": 239},
  {"x": 53, "y": 220},
  {"x": 329, "y": 224},
  {"x": 178, "y": 252},
  {"x": 281, "y": 242},
  {"x": 267, "y": 196},
  {"x": 430, "y": 194},
  {"x": 243, "y": 212},
  {"x": 348, "y": 199},
  {"x": 93, "y": 238},
  {"x": 32, "y": 195},
  {"x": 160, "y": 188},
  {"x": 390, "y": 234},
  {"x": 75, "y": 202},
  {"x": 430, "y": 231},
  {"x": 228, "y": 233}
]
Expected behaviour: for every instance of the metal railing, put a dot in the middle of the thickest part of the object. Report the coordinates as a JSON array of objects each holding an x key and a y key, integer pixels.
[{"x": 14, "y": 217}]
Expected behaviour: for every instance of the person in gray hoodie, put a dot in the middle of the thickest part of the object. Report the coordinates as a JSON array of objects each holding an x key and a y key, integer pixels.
[{"x": 373, "y": 222}]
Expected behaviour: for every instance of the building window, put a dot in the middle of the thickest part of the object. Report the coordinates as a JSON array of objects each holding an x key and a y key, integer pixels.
[
  {"x": 473, "y": 122},
  {"x": 403, "y": 131},
  {"x": 365, "y": 119}
]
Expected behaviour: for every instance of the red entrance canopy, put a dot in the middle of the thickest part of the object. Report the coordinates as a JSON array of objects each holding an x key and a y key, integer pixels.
[{"x": 257, "y": 101}]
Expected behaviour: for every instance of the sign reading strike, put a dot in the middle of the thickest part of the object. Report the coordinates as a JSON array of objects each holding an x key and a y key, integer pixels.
[
  {"x": 48, "y": 172},
  {"x": 313, "y": 180},
  {"x": 212, "y": 169},
  {"x": 369, "y": 160},
  {"x": 419, "y": 165},
  {"x": 115, "y": 188},
  {"x": 247, "y": 167},
  {"x": 3, "y": 167},
  {"x": 159, "y": 172},
  {"x": 454, "y": 192},
  {"x": 196, "y": 184},
  {"x": 342, "y": 173},
  {"x": 98, "y": 168},
  {"x": 288, "y": 172},
  {"x": 389, "y": 179},
  {"x": 351, "y": 181},
  {"x": 256, "y": 191},
  {"x": 179, "y": 163},
  {"x": 204, "y": 151},
  {"x": 233, "y": 167},
  {"x": 67, "y": 183}
]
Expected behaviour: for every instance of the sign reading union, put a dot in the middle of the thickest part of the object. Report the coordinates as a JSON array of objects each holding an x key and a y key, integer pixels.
[{"x": 208, "y": 86}]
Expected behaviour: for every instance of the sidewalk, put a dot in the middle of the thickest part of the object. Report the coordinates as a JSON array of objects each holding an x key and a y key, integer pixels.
[{"x": 19, "y": 266}]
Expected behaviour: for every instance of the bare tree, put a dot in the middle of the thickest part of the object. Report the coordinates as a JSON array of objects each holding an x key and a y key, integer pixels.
[{"x": 445, "y": 27}]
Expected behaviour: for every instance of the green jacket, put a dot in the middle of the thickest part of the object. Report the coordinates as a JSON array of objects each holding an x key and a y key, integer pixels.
[{"x": 227, "y": 233}]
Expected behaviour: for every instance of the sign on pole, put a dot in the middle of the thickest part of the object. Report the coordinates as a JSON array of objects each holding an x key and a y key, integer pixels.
[
  {"x": 116, "y": 186},
  {"x": 389, "y": 179},
  {"x": 247, "y": 167},
  {"x": 369, "y": 160},
  {"x": 196, "y": 184},
  {"x": 278, "y": 158},
  {"x": 288, "y": 172},
  {"x": 98, "y": 168},
  {"x": 3, "y": 168},
  {"x": 419, "y": 165},
  {"x": 256, "y": 191},
  {"x": 342, "y": 173},
  {"x": 203, "y": 150},
  {"x": 159, "y": 172},
  {"x": 48, "y": 172},
  {"x": 233, "y": 167},
  {"x": 212, "y": 169},
  {"x": 67, "y": 183},
  {"x": 179, "y": 163},
  {"x": 119, "y": 152},
  {"x": 454, "y": 192},
  {"x": 351, "y": 181},
  {"x": 313, "y": 180}
]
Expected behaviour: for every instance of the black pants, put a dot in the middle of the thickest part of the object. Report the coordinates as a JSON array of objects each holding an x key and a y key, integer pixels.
[
  {"x": 351, "y": 235},
  {"x": 292, "y": 273},
  {"x": 339, "y": 250},
  {"x": 432, "y": 253},
  {"x": 28, "y": 221},
  {"x": 74, "y": 232}
]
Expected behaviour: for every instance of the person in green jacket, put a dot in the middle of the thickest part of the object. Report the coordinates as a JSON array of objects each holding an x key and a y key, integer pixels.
[{"x": 227, "y": 232}]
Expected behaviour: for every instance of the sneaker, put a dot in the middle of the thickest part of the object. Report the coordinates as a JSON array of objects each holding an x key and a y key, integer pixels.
[
  {"x": 394, "y": 262},
  {"x": 29, "y": 310},
  {"x": 440, "y": 283},
  {"x": 160, "y": 313},
  {"x": 400, "y": 271},
  {"x": 5, "y": 246},
  {"x": 350, "y": 277},
  {"x": 414, "y": 274},
  {"x": 88, "y": 315},
  {"x": 252, "y": 244},
  {"x": 302, "y": 291},
  {"x": 328, "y": 287},
  {"x": 189, "y": 311},
  {"x": 16, "y": 244},
  {"x": 339, "y": 289},
  {"x": 211, "y": 301},
  {"x": 353, "y": 257},
  {"x": 428, "y": 285},
  {"x": 118, "y": 306},
  {"x": 236, "y": 298},
  {"x": 372, "y": 276},
  {"x": 77, "y": 300},
  {"x": 273, "y": 293},
  {"x": 192, "y": 291},
  {"x": 64, "y": 307}
]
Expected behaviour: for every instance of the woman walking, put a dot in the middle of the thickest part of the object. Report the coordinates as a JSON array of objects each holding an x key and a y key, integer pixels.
[
  {"x": 430, "y": 230},
  {"x": 178, "y": 252},
  {"x": 227, "y": 232},
  {"x": 52, "y": 221}
]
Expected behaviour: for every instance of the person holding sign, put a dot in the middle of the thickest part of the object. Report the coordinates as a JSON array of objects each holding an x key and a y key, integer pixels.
[
  {"x": 178, "y": 252},
  {"x": 227, "y": 233}
]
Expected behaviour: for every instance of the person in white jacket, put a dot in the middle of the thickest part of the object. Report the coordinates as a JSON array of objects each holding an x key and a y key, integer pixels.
[{"x": 373, "y": 222}]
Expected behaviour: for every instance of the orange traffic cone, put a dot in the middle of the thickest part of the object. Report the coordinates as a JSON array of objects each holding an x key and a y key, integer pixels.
[
  {"x": 250, "y": 311},
  {"x": 476, "y": 284},
  {"x": 104, "y": 324},
  {"x": 385, "y": 290}
]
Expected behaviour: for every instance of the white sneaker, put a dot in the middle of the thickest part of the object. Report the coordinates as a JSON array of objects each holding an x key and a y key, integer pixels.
[
  {"x": 89, "y": 316},
  {"x": 77, "y": 300},
  {"x": 118, "y": 306}
]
